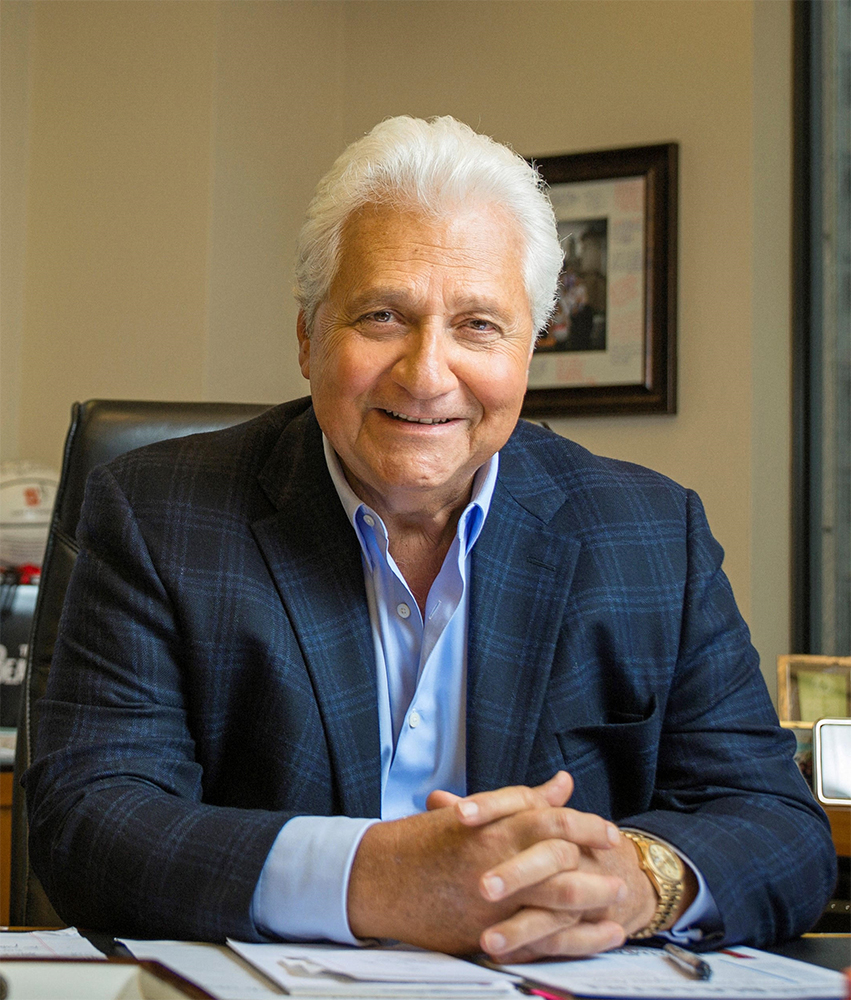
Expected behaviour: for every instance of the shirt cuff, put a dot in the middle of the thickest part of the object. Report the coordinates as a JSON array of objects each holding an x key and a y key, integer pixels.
[
  {"x": 302, "y": 889},
  {"x": 700, "y": 917}
]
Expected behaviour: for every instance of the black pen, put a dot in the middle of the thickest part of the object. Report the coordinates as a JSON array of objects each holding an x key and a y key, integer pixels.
[{"x": 689, "y": 963}]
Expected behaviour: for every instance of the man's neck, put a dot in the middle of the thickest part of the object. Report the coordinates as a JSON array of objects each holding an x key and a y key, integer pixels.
[
  {"x": 420, "y": 554},
  {"x": 418, "y": 538}
]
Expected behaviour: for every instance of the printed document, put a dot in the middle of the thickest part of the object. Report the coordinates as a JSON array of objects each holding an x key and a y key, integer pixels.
[
  {"x": 316, "y": 970},
  {"x": 738, "y": 973}
]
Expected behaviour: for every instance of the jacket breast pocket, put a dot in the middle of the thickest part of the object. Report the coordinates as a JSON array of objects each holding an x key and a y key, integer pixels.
[{"x": 613, "y": 764}]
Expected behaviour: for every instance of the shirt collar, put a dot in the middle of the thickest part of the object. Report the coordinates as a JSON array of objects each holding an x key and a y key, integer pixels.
[{"x": 470, "y": 523}]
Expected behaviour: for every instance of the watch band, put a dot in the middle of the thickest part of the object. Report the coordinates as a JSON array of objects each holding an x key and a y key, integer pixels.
[{"x": 669, "y": 888}]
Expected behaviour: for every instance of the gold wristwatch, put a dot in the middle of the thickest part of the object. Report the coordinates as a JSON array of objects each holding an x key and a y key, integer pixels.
[{"x": 666, "y": 871}]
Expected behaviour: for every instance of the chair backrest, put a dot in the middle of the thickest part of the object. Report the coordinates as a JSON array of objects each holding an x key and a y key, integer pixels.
[{"x": 100, "y": 430}]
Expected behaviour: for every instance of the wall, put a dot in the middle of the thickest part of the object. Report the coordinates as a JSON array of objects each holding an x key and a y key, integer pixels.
[
  {"x": 278, "y": 116},
  {"x": 172, "y": 148},
  {"x": 14, "y": 167}
]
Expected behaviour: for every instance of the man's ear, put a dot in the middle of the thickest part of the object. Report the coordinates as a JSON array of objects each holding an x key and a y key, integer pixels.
[{"x": 303, "y": 345}]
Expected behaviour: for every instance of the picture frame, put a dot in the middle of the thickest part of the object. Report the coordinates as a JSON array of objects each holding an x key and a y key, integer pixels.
[
  {"x": 832, "y": 761},
  {"x": 610, "y": 347},
  {"x": 812, "y": 687}
]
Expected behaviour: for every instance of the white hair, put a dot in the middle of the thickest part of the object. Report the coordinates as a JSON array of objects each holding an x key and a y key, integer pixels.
[{"x": 433, "y": 166}]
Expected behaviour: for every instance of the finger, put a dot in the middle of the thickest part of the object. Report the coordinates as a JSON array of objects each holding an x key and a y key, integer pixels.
[
  {"x": 533, "y": 826},
  {"x": 485, "y": 807},
  {"x": 558, "y": 789},
  {"x": 535, "y": 933},
  {"x": 543, "y": 860},
  {"x": 585, "y": 938},
  {"x": 439, "y": 799},
  {"x": 541, "y": 876},
  {"x": 585, "y": 894}
]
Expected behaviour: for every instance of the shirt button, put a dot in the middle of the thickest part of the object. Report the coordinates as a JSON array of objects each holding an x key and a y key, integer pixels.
[
  {"x": 414, "y": 720},
  {"x": 403, "y": 611},
  {"x": 369, "y": 519}
]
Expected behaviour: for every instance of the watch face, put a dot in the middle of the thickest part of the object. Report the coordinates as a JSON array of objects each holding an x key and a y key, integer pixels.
[{"x": 666, "y": 863}]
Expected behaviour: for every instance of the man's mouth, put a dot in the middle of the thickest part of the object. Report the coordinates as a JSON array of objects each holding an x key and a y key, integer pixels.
[{"x": 417, "y": 420}]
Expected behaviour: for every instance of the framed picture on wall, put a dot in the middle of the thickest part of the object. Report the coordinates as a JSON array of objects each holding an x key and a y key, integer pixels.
[{"x": 610, "y": 346}]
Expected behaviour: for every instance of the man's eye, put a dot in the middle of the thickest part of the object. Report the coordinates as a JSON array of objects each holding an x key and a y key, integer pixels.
[
  {"x": 381, "y": 316},
  {"x": 480, "y": 325}
]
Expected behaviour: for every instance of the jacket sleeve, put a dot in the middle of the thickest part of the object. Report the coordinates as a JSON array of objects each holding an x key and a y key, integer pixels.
[
  {"x": 727, "y": 790},
  {"x": 119, "y": 833}
]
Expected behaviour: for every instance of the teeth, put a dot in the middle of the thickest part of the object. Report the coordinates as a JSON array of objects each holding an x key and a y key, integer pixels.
[{"x": 417, "y": 420}]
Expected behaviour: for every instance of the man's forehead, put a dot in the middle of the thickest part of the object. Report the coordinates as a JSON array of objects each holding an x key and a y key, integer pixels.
[
  {"x": 419, "y": 231},
  {"x": 385, "y": 248}
]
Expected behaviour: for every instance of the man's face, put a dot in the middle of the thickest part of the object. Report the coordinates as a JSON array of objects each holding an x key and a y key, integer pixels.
[{"x": 419, "y": 356}]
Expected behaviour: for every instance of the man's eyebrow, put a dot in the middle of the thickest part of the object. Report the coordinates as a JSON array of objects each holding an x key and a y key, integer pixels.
[
  {"x": 391, "y": 295},
  {"x": 383, "y": 293}
]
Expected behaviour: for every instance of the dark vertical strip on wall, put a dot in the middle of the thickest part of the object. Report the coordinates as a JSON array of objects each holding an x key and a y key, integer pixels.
[{"x": 801, "y": 304}]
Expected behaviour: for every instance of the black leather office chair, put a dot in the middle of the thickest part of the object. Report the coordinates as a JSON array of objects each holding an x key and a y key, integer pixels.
[{"x": 100, "y": 430}]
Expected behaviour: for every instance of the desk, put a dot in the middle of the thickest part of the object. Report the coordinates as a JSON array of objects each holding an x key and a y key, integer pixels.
[{"x": 832, "y": 952}]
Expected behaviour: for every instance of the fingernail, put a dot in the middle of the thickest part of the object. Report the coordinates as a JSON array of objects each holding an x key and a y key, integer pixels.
[
  {"x": 613, "y": 834},
  {"x": 468, "y": 810},
  {"x": 494, "y": 886},
  {"x": 494, "y": 943},
  {"x": 618, "y": 938}
]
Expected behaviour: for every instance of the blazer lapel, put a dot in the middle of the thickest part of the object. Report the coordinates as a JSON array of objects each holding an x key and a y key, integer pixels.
[
  {"x": 314, "y": 558},
  {"x": 522, "y": 570}
]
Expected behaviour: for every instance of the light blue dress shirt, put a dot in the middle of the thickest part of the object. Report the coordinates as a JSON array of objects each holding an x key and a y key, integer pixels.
[{"x": 421, "y": 673}]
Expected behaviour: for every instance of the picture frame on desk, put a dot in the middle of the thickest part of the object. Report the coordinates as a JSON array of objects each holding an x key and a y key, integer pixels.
[
  {"x": 832, "y": 761},
  {"x": 812, "y": 687},
  {"x": 610, "y": 347}
]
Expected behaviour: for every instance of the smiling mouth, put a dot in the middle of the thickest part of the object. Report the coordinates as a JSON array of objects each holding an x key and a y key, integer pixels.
[{"x": 417, "y": 420}]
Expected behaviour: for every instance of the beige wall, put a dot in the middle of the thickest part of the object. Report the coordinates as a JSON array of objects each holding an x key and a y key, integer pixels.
[
  {"x": 14, "y": 164},
  {"x": 164, "y": 154}
]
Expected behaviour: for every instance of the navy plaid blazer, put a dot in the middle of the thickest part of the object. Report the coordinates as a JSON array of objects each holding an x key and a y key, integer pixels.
[{"x": 214, "y": 675}]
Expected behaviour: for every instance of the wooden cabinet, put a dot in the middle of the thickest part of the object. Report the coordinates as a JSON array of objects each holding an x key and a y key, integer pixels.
[{"x": 840, "y": 825}]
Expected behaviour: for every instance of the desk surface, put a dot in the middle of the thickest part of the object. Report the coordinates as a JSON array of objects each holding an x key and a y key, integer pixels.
[
  {"x": 831, "y": 951},
  {"x": 828, "y": 951}
]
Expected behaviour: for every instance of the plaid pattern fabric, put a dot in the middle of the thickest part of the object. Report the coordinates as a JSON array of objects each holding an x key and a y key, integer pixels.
[{"x": 214, "y": 675}]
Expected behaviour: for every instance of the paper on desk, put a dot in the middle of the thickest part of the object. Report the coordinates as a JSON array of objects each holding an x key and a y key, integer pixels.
[
  {"x": 738, "y": 973},
  {"x": 316, "y": 970},
  {"x": 213, "y": 967},
  {"x": 65, "y": 943}
]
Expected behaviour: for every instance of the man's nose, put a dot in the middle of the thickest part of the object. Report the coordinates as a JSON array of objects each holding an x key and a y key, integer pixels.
[{"x": 425, "y": 368}]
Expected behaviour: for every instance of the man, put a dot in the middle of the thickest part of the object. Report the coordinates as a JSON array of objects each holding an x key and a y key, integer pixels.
[{"x": 394, "y": 602}]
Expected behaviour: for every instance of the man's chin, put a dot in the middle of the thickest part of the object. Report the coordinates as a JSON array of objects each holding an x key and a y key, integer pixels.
[{"x": 417, "y": 486}]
